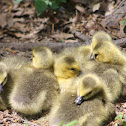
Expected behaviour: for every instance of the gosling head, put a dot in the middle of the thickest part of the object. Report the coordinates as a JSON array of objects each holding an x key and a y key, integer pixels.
[
  {"x": 3, "y": 75},
  {"x": 66, "y": 67},
  {"x": 89, "y": 86},
  {"x": 42, "y": 57},
  {"x": 101, "y": 36},
  {"x": 103, "y": 50}
]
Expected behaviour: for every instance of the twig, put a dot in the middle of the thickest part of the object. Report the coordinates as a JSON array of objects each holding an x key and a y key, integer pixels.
[
  {"x": 121, "y": 42},
  {"x": 81, "y": 36},
  {"x": 25, "y": 121},
  {"x": 55, "y": 47},
  {"x": 116, "y": 16}
]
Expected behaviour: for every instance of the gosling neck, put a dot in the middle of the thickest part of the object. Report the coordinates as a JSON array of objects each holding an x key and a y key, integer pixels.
[
  {"x": 66, "y": 84},
  {"x": 64, "y": 80}
]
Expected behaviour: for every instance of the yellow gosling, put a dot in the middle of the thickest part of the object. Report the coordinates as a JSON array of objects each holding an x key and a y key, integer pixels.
[
  {"x": 95, "y": 107},
  {"x": 35, "y": 87},
  {"x": 66, "y": 70},
  {"x": 103, "y": 50}
]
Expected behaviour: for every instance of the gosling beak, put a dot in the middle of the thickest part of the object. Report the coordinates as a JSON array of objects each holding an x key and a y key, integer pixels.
[
  {"x": 1, "y": 88},
  {"x": 92, "y": 57},
  {"x": 79, "y": 73},
  {"x": 79, "y": 100},
  {"x": 31, "y": 58}
]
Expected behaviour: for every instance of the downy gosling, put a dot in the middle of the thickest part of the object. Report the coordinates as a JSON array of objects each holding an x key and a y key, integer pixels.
[
  {"x": 103, "y": 50},
  {"x": 35, "y": 86},
  {"x": 66, "y": 70},
  {"x": 91, "y": 107},
  {"x": 6, "y": 83}
]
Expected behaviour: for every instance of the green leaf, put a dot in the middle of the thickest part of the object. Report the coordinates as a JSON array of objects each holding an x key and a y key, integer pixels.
[
  {"x": 62, "y": 40},
  {"x": 124, "y": 22},
  {"x": 124, "y": 123},
  {"x": 72, "y": 123},
  {"x": 125, "y": 118},
  {"x": 17, "y": 2},
  {"x": 40, "y": 6},
  {"x": 47, "y": 2},
  {"x": 54, "y": 6},
  {"x": 61, "y": 123},
  {"x": 26, "y": 122},
  {"x": 60, "y": 1},
  {"x": 69, "y": 124},
  {"x": 120, "y": 116}
]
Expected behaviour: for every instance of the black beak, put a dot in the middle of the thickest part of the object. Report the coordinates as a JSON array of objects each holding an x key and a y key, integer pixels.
[
  {"x": 79, "y": 73},
  {"x": 92, "y": 57},
  {"x": 31, "y": 58},
  {"x": 79, "y": 100},
  {"x": 1, "y": 88}
]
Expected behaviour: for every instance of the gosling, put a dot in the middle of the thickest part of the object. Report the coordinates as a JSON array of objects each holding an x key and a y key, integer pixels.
[
  {"x": 35, "y": 86},
  {"x": 91, "y": 107}
]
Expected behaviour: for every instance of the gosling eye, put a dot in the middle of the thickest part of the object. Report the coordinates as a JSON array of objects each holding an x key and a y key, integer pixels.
[
  {"x": 96, "y": 55},
  {"x": 72, "y": 69}
]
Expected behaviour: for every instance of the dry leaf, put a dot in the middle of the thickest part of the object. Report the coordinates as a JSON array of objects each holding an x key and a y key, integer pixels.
[
  {"x": 82, "y": 1},
  {"x": 74, "y": 19},
  {"x": 70, "y": 40},
  {"x": 1, "y": 117},
  {"x": 3, "y": 21},
  {"x": 18, "y": 20},
  {"x": 89, "y": 25},
  {"x": 27, "y": 36},
  {"x": 6, "y": 111},
  {"x": 21, "y": 27},
  {"x": 103, "y": 6},
  {"x": 19, "y": 12},
  {"x": 62, "y": 36},
  {"x": 42, "y": 20},
  {"x": 96, "y": 7},
  {"x": 29, "y": 12},
  {"x": 9, "y": 21},
  {"x": 38, "y": 29},
  {"x": 122, "y": 32},
  {"x": 16, "y": 124},
  {"x": 81, "y": 9},
  {"x": 110, "y": 9}
]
